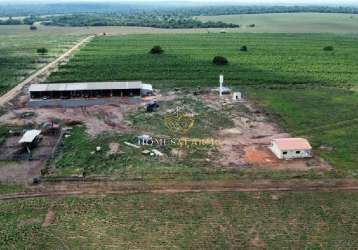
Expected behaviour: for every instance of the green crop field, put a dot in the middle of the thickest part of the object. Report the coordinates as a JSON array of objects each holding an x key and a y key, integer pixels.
[
  {"x": 187, "y": 61},
  {"x": 291, "y": 22},
  {"x": 18, "y": 51},
  {"x": 311, "y": 92},
  {"x": 184, "y": 221}
]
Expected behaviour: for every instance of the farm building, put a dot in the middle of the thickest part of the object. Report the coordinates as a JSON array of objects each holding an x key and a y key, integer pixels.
[
  {"x": 30, "y": 138},
  {"x": 88, "y": 89},
  {"x": 291, "y": 148}
]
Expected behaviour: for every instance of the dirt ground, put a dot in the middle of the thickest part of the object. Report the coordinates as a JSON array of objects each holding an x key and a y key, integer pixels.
[
  {"x": 12, "y": 150},
  {"x": 50, "y": 217},
  {"x": 15, "y": 162},
  {"x": 20, "y": 171},
  {"x": 98, "y": 119},
  {"x": 246, "y": 145}
]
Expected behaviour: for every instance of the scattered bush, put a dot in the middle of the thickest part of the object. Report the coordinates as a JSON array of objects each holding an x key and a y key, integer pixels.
[
  {"x": 220, "y": 60},
  {"x": 42, "y": 51},
  {"x": 244, "y": 48},
  {"x": 328, "y": 48},
  {"x": 251, "y": 25},
  {"x": 156, "y": 50},
  {"x": 33, "y": 27}
]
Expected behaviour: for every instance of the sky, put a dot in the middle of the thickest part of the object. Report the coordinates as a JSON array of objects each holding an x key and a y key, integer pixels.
[{"x": 267, "y": 2}]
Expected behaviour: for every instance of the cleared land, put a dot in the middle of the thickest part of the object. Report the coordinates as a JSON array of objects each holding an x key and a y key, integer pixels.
[
  {"x": 291, "y": 22},
  {"x": 308, "y": 89},
  {"x": 167, "y": 221}
]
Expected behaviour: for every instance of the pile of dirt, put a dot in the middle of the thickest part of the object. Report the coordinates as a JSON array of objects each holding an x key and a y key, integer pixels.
[
  {"x": 113, "y": 148},
  {"x": 49, "y": 219},
  {"x": 258, "y": 155},
  {"x": 179, "y": 153}
]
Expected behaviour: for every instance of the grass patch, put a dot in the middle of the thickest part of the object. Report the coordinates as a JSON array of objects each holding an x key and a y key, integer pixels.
[
  {"x": 167, "y": 221},
  {"x": 78, "y": 156},
  {"x": 11, "y": 188},
  {"x": 4, "y": 133},
  {"x": 206, "y": 121}
]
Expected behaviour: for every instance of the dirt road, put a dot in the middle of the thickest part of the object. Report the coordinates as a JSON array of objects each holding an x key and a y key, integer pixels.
[
  {"x": 111, "y": 187},
  {"x": 17, "y": 89}
]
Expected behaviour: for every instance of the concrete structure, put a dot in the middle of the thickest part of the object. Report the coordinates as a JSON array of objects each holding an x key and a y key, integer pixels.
[
  {"x": 88, "y": 89},
  {"x": 237, "y": 96},
  {"x": 291, "y": 148}
]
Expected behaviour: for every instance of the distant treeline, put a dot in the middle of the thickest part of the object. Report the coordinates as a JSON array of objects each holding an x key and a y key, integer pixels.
[
  {"x": 102, "y": 19},
  {"x": 234, "y": 10},
  {"x": 11, "y": 21},
  {"x": 143, "y": 20},
  {"x": 69, "y": 8},
  {"x": 147, "y": 16}
]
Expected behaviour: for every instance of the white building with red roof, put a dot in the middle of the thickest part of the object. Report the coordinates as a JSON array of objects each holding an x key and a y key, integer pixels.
[{"x": 291, "y": 148}]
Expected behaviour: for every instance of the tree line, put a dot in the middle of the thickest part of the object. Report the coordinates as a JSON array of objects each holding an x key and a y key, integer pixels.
[
  {"x": 169, "y": 18},
  {"x": 100, "y": 19}
]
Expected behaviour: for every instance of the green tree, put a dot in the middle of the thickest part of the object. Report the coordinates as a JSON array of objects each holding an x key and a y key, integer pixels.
[
  {"x": 220, "y": 60},
  {"x": 42, "y": 51},
  {"x": 328, "y": 48},
  {"x": 156, "y": 50},
  {"x": 244, "y": 48}
]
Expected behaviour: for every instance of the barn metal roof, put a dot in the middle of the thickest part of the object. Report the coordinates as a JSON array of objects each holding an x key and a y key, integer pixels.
[
  {"x": 292, "y": 144},
  {"x": 85, "y": 86},
  {"x": 30, "y": 136},
  {"x": 146, "y": 86}
]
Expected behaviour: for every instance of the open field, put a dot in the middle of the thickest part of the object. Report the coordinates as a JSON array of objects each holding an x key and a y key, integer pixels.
[
  {"x": 291, "y": 22},
  {"x": 19, "y": 57},
  {"x": 310, "y": 87},
  {"x": 19, "y": 44},
  {"x": 166, "y": 221},
  {"x": 271, "y": 58}
]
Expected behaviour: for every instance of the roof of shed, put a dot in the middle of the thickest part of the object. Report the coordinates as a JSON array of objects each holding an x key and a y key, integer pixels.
[
  {"x": 292, "y": 144},
  {"x": 85, "y": 86},
  {"x": 30, "y": 136}
]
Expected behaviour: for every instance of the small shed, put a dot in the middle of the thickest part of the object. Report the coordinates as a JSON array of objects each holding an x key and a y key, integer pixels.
[
  {"x": 291, "y": 148},
  {"x": 237, "y": 96},
  {"x": 30, "y": 136}
]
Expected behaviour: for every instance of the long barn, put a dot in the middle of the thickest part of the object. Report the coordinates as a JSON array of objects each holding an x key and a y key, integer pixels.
[{"x": 88, "y": 89}]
